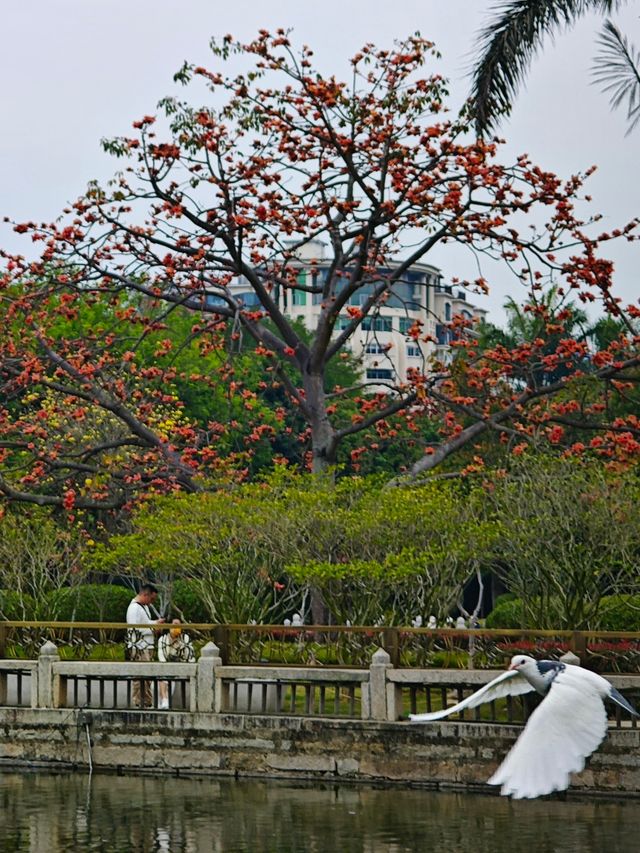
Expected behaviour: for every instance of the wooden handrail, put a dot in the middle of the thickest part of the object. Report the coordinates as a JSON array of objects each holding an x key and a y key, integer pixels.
[
  {"x": 342, "y": 629},
  {"x": 407, "y": 629}
]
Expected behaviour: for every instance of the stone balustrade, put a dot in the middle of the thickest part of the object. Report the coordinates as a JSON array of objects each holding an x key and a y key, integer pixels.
[
  {"x": 278, "y": 721},
  {"x": 380, "y": 692}
]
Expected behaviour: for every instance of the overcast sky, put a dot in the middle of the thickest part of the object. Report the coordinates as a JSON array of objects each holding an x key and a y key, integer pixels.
[{"x": 74, "y": 71}]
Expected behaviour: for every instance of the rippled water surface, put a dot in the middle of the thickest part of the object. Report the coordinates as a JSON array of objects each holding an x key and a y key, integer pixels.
[{"x": 43, "y": 813}]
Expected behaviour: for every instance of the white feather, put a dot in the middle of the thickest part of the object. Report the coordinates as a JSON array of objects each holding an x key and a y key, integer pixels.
[
  {"x": 568, "y": 725},
  {"x": 509, "y": 683}
]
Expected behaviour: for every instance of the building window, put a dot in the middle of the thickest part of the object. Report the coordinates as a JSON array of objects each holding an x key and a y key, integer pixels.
[
  {"x": 374, "y": 348},
  {"x": 249, "y": 298},
  {"x": 413, "y": 351},
  {"x": 447, "y": 311},
  {"x": 213, "y": 301},
  {"x": 301, "y": 278},
  {"x": 318, "y": 278},
  {"x": 343, "y": 322},
  {"x": 299, "y": 297},
  {"x": 358, "y": 299},
  {"x": 379, "y": 373},
  {"x": 406, "y": 323},
  {"x": 443, "y": 335},
  {"x": 377, "y": 324}
]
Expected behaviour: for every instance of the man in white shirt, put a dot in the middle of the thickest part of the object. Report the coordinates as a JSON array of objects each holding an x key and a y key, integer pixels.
[{"x": 140, "y": 642}]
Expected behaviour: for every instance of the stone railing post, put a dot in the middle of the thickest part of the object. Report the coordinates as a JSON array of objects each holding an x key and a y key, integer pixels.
[
  {"x": 380, "y": 663},
  {"x": 48, "y": 689},
  {"x": 207, "y": 698}
]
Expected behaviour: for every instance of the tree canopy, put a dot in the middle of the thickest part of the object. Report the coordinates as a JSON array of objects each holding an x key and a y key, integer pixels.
[{"x": 222, "y": 195}]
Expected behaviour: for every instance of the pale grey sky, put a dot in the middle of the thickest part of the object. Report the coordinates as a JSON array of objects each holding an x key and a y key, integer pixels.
[{"x": 73, "y": 71}]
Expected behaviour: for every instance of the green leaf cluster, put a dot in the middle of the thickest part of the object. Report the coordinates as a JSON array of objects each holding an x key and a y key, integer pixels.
[
  {"x": 254, "y": 552},
  {"x": 90, "y": 602},
  {"x": 567, "y": 536},
  {"x": 388, "y": 555}
]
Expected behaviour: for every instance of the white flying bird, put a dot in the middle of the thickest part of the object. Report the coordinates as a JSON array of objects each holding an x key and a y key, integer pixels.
[{"x": 567, "y": 726}]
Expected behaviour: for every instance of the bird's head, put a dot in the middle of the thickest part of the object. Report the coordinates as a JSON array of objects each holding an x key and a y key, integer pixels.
[{"x": 521, "y": 662}]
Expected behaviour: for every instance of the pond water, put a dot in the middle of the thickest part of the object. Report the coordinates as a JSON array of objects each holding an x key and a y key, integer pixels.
[{"x": 43, "y": 813}]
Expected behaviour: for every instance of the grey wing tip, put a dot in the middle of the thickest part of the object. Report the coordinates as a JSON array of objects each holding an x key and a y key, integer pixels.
[{"x": 619, "y": 699}]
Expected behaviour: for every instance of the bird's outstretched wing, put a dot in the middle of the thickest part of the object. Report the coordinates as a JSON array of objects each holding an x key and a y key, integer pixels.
[
  {"x": 567, "y": 726},
  {"x": 509, "y": 683}
]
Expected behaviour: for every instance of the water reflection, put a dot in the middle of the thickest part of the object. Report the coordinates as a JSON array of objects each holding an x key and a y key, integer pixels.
[{"x": 43, "y": 813}]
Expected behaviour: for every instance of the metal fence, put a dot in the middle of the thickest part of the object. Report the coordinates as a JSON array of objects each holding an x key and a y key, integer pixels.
[{"x": 336, "y": 645}]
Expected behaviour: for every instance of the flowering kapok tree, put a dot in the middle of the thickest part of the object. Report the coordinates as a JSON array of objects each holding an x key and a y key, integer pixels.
[{"x": 235, "y": 187}]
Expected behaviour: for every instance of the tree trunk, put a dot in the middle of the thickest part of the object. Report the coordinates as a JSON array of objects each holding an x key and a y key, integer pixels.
[
  {"x": 323, "y": 440},
  {"x": 319, "y": 610},
  {"x": 323, "y": 446}
]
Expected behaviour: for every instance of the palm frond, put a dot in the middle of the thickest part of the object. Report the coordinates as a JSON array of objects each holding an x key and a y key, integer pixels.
[
  {"x": 616, "y": 69},
  {"x": 508, "y": 43}
]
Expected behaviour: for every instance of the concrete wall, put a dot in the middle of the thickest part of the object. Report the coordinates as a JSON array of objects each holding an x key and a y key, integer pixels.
[{"x": 434, "y": 755}]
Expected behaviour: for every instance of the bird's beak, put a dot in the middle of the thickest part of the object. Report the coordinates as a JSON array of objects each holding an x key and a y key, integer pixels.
[{"x": 513, "y": 666}]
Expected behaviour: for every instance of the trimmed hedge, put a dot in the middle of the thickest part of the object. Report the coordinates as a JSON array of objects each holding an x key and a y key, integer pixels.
[
  {"x": 109, "y": 602},
  {"x": 507, "y": 613},
  {"x": 617, "y": 613},
  {"x": 506, "y": 596},
  {"x": 90, "y": 602}
]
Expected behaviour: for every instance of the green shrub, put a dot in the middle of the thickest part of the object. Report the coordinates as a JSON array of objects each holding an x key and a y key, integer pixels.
[
  {"x": 616, "y": 613},
  {"x": 507, "y": 613},
  {"x": 506, "y": 596},
  {"x": 187, "y": 603},
  {"x": 620, "y": 613},
  {"x": 16, "y": 606},
  {"x": 90, "y": 602}
]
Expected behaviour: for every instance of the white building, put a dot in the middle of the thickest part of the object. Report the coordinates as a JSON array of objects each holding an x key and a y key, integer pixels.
[{"x": 382, "y": 344}]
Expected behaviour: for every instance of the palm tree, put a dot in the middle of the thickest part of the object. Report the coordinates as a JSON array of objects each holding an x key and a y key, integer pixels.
[
  {"x": 617, "y": 69},
  {"x": 516, "y": 32}
]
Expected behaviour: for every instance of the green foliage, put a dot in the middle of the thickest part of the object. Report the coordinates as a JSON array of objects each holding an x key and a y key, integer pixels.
[
  {"x": 567, "y": 534},
  {"x": 620, "y": 613},
  {"x": 616, "y": 613},
  {"x": 227, "y": 544},
  {"x": 396, "y": 553},
  {"x": 256, "y": 551},
  {"x": 16, "y": 606},
  {"x": 507, "y": 613},
  {"x": 187, "y": 603},
  {"x": 514, "y": 34},
  {"x": 89, "y": 603},
  {"x": 505, "y": 596},
  {"x": 561, "y": 534},
  {"x": 37, "y": 554}
]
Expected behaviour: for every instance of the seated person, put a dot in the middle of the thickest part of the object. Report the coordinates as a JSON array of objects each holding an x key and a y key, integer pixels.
[{"x": 174, "y": 646}]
